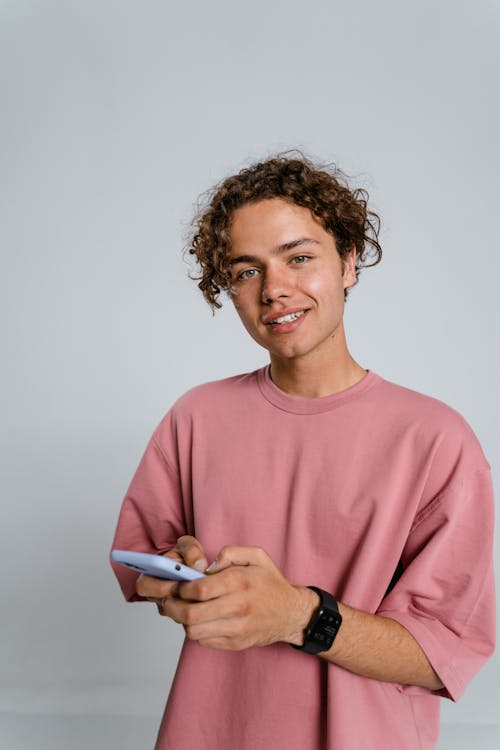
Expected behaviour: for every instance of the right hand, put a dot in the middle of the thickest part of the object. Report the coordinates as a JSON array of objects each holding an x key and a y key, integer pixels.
[{"x": 189, "y": 551}]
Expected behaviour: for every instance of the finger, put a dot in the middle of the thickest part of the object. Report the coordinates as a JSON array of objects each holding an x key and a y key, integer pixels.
[
  {"x": 228, "y": 581},
  {"x": 153, "y": 588},
  {"x": 160, "y": 603},
  {"x": 235, "y": 555},
  {"x": 192, "y": 552},
  {"x": 199, "y": 614},
  {"x": 159, "y": 606},
  {"x": 173, "y": 555}
]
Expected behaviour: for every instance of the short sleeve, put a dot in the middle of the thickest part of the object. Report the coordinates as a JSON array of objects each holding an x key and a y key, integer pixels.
[
  {"x": 151, "y": 517},
  {"x": 445, "y": 596}
]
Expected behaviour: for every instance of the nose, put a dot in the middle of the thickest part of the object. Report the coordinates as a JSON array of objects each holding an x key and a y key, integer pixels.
[{"x": 276, "y": 283}]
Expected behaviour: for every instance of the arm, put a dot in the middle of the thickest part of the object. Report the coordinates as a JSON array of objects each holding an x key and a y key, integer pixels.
[
  {"x": 373, "y": 646},
  {"x": 245, "y": 601},
  {"x": 152, "y": 515}
]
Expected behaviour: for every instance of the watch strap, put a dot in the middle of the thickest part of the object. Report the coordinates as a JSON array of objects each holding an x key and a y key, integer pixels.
[
  {"x": 324, "y": 625},
  {"x": 327, "y": 600}
]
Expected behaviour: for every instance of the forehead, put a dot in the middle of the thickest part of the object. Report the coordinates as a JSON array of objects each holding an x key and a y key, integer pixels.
[{"x": 270, "y": 222}]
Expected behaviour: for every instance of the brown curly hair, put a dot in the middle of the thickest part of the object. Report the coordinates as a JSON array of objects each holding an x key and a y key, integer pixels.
[{"x": 321, "y": 188}]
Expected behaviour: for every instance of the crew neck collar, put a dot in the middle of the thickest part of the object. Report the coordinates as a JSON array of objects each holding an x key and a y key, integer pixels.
[{"x": 300, "y": 405}]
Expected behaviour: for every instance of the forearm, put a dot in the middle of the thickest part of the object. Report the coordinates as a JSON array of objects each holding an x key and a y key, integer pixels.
[{"x": 375, "y": 647}]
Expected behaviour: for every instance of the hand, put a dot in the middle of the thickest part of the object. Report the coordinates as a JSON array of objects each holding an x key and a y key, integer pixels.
[
  {"x": 244, "y": 601},
  {"x": 188, "y": 551}
]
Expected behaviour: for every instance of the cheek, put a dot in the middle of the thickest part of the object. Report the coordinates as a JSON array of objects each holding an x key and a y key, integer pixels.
[
  {"x": 243, "y": 304},
  {"x": 323, "y": 285},
  {"x": 244, "y": 314}
]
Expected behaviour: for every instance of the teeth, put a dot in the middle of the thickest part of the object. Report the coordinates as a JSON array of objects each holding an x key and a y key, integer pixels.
[{"x": 288, "y": 318}]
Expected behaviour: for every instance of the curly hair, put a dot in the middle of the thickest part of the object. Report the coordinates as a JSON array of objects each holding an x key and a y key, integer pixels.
[{"x": 323, "y": 189}]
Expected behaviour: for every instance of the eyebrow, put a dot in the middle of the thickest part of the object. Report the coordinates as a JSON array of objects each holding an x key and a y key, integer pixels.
[{"x": 275, "y": 251}]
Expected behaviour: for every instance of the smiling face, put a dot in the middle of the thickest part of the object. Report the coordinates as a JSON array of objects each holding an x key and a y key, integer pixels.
[{"x": 287, "y": 261}]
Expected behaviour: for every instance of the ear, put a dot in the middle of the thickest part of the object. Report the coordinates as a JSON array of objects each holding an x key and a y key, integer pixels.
[{"x": 349, "y": 268}]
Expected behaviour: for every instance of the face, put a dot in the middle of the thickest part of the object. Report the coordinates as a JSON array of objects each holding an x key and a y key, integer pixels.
[{"x": 306, "y": 274}]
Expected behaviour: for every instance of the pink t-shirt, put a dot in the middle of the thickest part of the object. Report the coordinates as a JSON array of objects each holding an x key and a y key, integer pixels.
[{"x": 341, "y": 492}]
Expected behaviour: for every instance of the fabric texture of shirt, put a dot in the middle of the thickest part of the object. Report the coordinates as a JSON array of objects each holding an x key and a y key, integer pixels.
[{"x": 378, "y": 494}]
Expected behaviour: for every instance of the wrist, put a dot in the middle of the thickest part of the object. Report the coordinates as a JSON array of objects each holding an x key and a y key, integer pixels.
[
  {"x": 307, "y": 603},
  {"x": 322, "y": 630}
]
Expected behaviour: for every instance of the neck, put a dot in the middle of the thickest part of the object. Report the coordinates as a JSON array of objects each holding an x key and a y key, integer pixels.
[{"x": 307, "y": 380}]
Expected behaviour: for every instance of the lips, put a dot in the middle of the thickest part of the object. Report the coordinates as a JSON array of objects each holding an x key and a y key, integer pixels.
[
  {"x": 281, "y": 314},
  {"x": 284, "y": 329}
]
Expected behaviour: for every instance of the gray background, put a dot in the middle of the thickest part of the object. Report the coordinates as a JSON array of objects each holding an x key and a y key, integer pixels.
[{"x": 115, "y": 117}]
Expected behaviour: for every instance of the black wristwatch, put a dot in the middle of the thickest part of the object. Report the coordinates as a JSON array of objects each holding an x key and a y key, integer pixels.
[{"x": 324, "y": 626}]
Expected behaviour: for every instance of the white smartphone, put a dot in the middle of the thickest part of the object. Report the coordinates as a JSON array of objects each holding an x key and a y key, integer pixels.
[{"x": 155, "y": 565}]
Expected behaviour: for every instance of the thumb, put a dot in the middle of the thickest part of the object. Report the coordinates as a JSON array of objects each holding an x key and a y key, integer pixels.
[
  {"x": 233, "y": 555},
  {"x": 191, "y": 552}
]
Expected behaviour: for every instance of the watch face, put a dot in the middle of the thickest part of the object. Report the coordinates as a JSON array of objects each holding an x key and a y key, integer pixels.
[
  {"x": 329, "y": 622},
  {"x": 325, "y": 628}
]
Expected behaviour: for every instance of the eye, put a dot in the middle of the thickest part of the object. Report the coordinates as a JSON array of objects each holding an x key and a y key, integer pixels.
[{"x": 242, "y": 275}]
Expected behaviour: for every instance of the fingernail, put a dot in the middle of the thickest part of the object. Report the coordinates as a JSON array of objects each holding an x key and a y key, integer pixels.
[
  {"x": 200, "y": 565},
  {"x": 212, "y": 565}
]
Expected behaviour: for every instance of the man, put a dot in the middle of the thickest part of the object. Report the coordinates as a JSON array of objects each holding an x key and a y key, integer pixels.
[{"x": 312, "y": 471}]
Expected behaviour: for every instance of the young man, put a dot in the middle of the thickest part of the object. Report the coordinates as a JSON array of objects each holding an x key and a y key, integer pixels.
[{"x": 348, "y": 520}]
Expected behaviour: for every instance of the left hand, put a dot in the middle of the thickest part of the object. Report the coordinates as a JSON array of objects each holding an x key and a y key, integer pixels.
[{"x": 244, "y": 601}]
